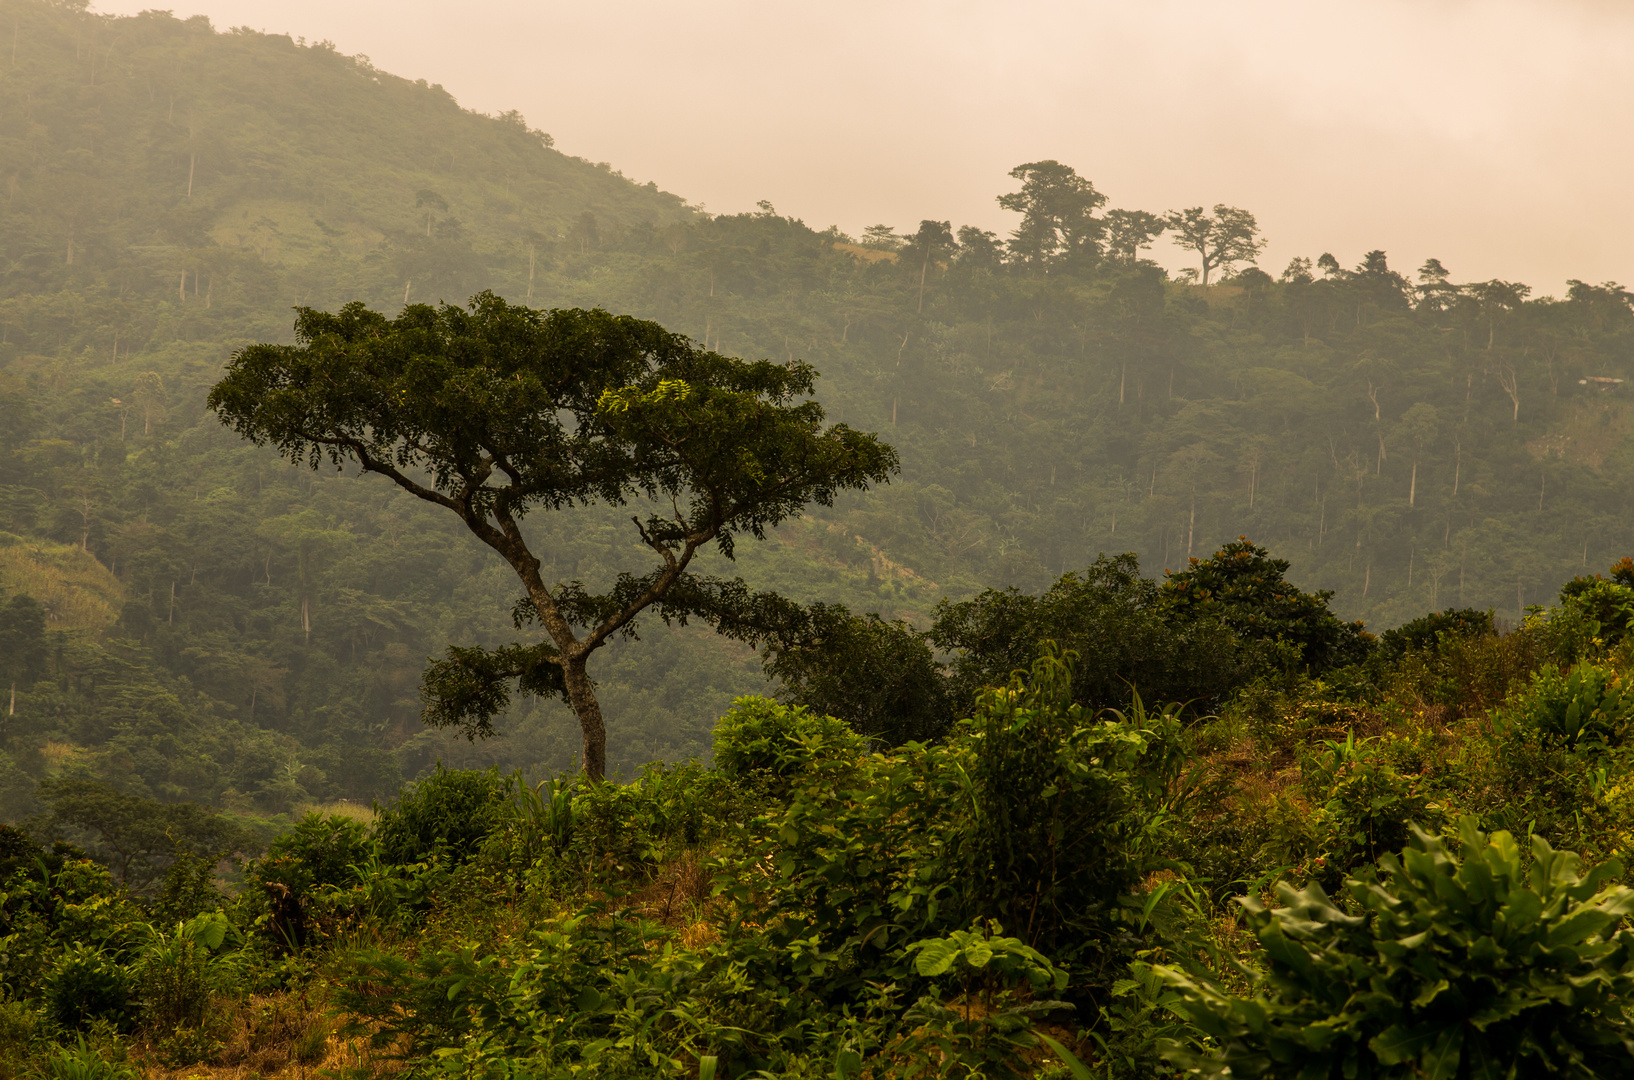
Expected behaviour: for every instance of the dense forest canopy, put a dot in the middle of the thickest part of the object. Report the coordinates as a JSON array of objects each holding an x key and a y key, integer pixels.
[{"x": 1405, "y": 440}]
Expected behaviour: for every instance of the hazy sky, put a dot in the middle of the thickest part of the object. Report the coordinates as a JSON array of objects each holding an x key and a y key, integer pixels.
[{"x": 1492, "y": 134}]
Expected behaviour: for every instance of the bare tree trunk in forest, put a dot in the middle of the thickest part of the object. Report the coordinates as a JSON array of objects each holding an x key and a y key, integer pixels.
[
  {"x": 192, "y": 160},
  {"x": 1510, "y": 382},
  {"x": 1412, "y": 486}
]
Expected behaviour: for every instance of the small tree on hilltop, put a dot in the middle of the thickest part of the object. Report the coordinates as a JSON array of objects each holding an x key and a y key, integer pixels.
[
  {"x": 1221, "y": 240},
  {"x": 498, "y": 410}
]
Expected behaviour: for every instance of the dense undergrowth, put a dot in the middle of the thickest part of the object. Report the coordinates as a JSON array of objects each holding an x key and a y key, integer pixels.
[{"x": 1047, "y": 891}]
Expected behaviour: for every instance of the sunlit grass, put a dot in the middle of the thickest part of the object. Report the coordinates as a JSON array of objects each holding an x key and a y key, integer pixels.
[
  {"x": 341, "y": 807},
  {"x": 78, "y": 592}
]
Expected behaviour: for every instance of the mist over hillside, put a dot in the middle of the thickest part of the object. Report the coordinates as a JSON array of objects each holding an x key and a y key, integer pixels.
[{"x": 1408, "y": 441}]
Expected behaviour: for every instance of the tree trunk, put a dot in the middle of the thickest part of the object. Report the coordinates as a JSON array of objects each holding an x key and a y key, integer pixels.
[{"x": 582, "y": 696}]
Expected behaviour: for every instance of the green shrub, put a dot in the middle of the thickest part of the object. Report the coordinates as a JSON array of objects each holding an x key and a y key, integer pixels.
[
  {"x": 1033, "y": 815},
  {"x": 1431, "y": 633},
  {"x": 624, "y": 828},
  {"x": 1587, "y": 705},
  {"x": 87, "y": 985},
  {"x": 1593, "y": 616},
  {"x": 327, "y": 849},
  {"x": 189, "y": 890},
  {"x": 1058, "y": 806},
  {"x": 1456, "y": 966},
  {"x": 537, "y": 818},
  {"x": 19, "y": 1034},
  {"x": 175, "y": 976},
  {"x": 451, "y": 811},
  {"x": 1366, "y": 807},
  {"x": 760, "y": 739},
  {"x": 319, "y": 854},
  {"x": 82, "y": 1061},
  {"x": 1242, "y": 586}
]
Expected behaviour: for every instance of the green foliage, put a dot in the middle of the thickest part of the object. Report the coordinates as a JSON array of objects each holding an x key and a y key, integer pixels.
[
  {"x": 626, "y": 830},
  {"x": 1116, "y": 623},
  {"x": 1060, "y": 807},
  {"x": 1367, "y": 808},
  {"x": 22, "y": 641},
  {"x": 84, "y": 1061},
  {"x": 88, "y": 985},
  {"x": 172, "y": 974},
  {"x": 138, "y": 837},
  {"x": 21, "y": 1032},
  {"x": 1446, "y": 966},
  {"x": 449, "y": 812},
  {"x": 1243, "y": 586},
  {"x": 1594, "y": 616},
  {"x": 318, "y": 857},
  {"x": 539, "y": 817},
  {"x": 987, "y": 1032},
  {"x": 189, "y": 890},
  {"x": 764, "y": 741},
  {"x": 878, "y": 676},
  {"x": 511, "y": 410},
  {"x": 1585, "y": 707},
  {"x": 1425, "y": 633}
]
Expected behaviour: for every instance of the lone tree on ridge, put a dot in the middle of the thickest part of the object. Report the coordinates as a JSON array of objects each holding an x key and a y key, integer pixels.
[{"x": 496, "y": 410}]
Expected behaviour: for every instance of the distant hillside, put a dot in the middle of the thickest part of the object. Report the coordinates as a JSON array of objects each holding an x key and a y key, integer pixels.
[{"x": 235, "y": 174}]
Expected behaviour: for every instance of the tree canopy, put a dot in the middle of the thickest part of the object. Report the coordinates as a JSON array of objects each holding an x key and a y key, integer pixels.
[{"x": 498, "y": 410}]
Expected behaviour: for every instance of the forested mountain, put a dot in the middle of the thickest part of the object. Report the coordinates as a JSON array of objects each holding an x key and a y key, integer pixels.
[{"x": 171, "y": 192}]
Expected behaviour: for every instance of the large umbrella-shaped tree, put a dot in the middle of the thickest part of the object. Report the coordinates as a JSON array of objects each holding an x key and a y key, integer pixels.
[{"x": 498, "y": 410}]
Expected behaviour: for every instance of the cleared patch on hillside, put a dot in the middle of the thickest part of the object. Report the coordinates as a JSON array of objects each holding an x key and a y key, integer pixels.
[
  {"x": 866, "y": 254},
  {"x": 78, "y": 592},
  {"x": 1585, "y": 433},
  {"x": 287, "y": 233}
]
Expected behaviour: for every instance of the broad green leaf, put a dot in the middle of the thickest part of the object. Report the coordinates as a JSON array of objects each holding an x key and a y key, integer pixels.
[
  {"x": 1441, "y": 1063},
  {"x": 936, "y": 957},
  {"x": 1078, "y": 1069},
  {"x": 1399, "y": 1042}
]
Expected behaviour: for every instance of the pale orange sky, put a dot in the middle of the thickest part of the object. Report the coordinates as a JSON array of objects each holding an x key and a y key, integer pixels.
[{"x": 1492, "y": 134}]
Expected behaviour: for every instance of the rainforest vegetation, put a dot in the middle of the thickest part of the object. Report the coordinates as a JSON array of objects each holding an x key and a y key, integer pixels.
[{"x": 1106, "y": 596}]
